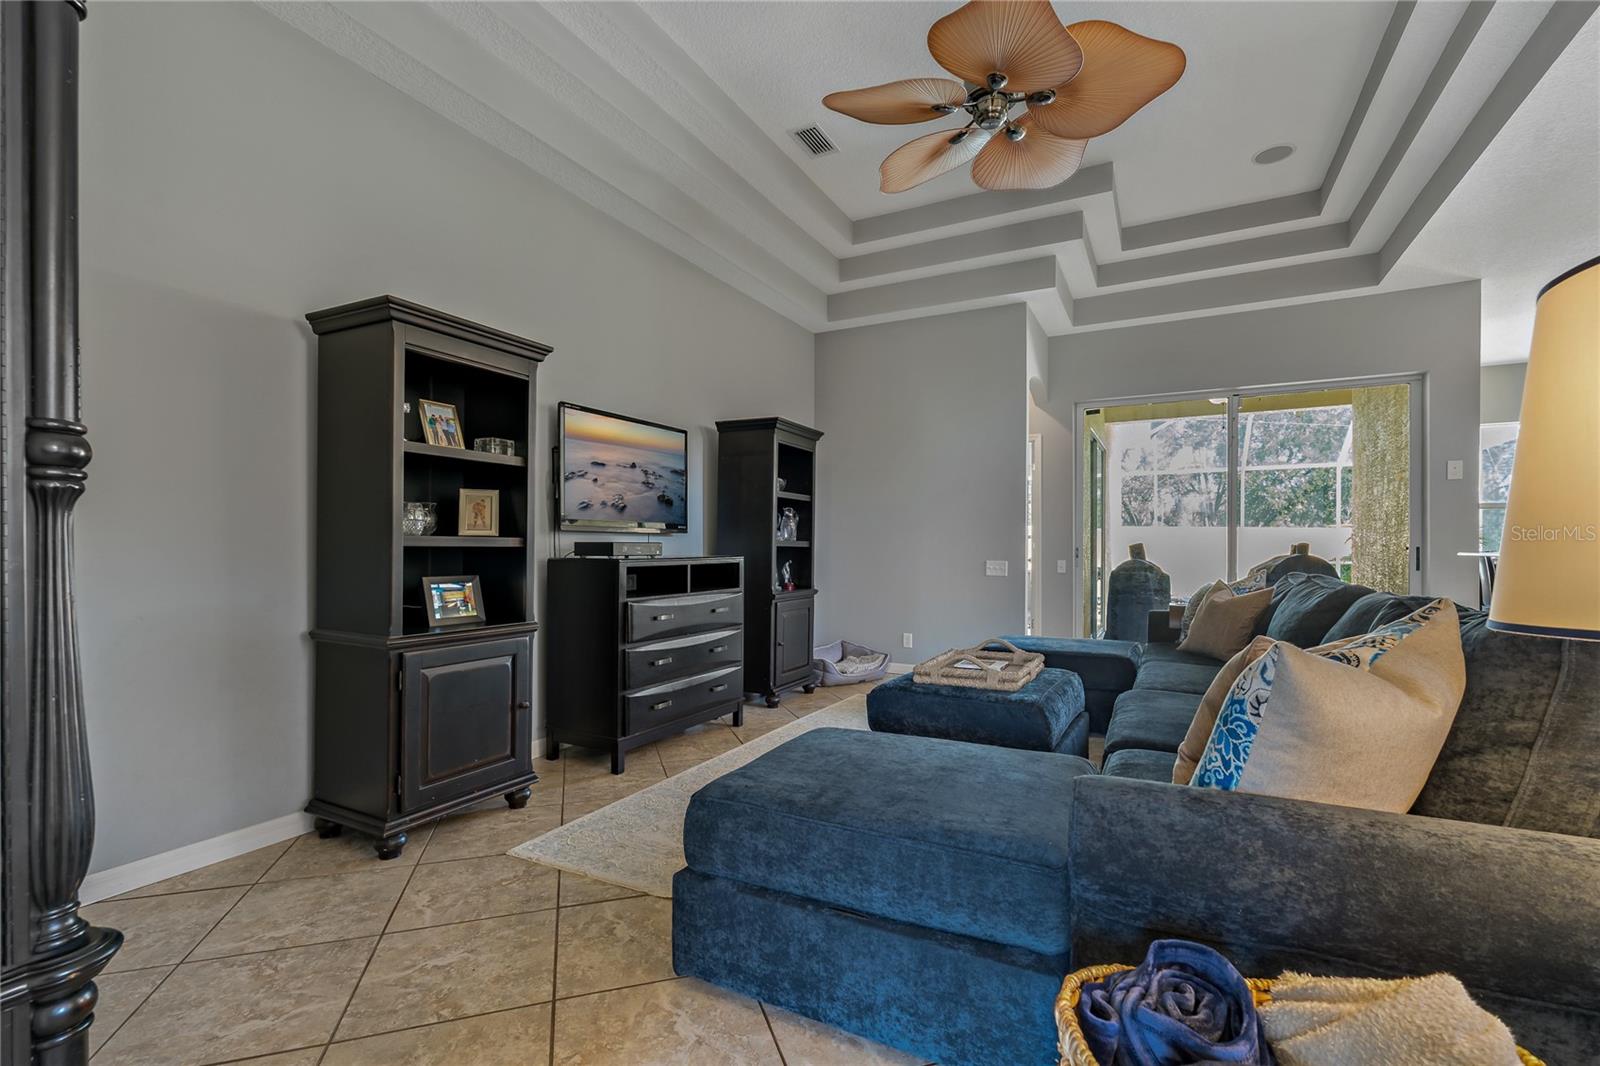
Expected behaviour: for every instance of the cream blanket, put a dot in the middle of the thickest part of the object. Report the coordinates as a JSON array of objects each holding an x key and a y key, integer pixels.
[{"x": 1354, "y": 1021}]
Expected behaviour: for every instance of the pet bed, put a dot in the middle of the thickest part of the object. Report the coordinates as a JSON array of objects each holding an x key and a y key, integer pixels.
[{"x": 846, "y": 663}]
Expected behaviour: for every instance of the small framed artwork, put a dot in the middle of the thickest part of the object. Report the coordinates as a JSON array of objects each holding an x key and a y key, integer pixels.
[
  {"x": 453, "y": 601},
  {"x": 479, "y": 514},
  {"x": 441, "y": 426}
]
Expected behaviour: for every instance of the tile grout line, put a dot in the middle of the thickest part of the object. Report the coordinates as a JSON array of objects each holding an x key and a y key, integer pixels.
[
  {"x": 555, "y": 944},
  {"x": 762, "y": 1007},
  {"x": 377, "y": 942},
  {"x": 207, "y": 933},
  {"x": 432, "y": 1024}
]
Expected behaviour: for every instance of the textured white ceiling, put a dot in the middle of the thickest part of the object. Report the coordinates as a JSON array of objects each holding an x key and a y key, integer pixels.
[
  {"x": 1258, "y": 74},
  {"x": 1530, "y": 208}
]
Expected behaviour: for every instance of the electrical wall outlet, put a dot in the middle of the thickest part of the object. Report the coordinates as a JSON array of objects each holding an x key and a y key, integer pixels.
[
  {"x": 905, "y": 640},
  {"x": 1453, "y": 470},
  {"x": 995, "y": 568},
  {"x": 1061, "y": 566}
]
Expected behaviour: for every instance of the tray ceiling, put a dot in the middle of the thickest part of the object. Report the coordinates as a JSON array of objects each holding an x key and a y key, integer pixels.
[{"x": 675, "y": 118}]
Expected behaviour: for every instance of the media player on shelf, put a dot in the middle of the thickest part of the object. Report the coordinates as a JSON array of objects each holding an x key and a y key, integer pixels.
[{"x": 617, "y": 549}]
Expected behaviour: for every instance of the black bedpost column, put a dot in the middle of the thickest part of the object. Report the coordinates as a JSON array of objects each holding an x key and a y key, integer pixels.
[{"x": 66, "y": 953}]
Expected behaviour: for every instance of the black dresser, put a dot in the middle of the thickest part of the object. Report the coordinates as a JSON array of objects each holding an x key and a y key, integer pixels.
[{"x": 641, "y": 649}]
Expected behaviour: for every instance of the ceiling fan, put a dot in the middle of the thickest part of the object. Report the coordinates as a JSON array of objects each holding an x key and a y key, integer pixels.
[{"x": 1077, "y": 82}]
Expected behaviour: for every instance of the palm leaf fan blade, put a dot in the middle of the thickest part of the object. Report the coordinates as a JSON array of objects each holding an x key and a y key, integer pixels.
[
  {"x": 899, "y": 102},
  {"x": 1022, "y": 39},
  {"x": 1122, "y": 72},
  {"x": 927, "y": 157}
]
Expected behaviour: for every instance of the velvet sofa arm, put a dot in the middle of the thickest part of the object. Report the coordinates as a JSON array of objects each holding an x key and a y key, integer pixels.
[{"x": 1276, "y": 884}]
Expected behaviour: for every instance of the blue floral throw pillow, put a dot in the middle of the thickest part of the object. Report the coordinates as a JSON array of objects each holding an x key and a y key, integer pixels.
[{"x": 1357, "y": 723}]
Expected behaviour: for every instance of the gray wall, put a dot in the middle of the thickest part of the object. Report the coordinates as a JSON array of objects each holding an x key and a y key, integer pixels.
[
  {"x": 922, "y": 480},
  {"x": 1500, "y": 399},
  {"x": 1431, "y": 331},
  {"x": 235, "y": 176}
]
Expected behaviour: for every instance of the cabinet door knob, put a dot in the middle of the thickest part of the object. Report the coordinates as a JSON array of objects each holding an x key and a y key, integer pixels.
[
  {"x": 663, "y": 661},
  {"x": 663, "y": 705},
  {"x": 720, "y": 610},
  {"x": 523, "y": 705}
]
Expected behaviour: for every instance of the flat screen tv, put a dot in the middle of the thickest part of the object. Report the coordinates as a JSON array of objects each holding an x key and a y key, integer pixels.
[{"x": 621, "y": 474}]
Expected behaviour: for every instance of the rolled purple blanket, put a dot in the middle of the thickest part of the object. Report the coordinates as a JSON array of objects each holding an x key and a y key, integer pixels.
[{"x": 1184, "y": 1005}]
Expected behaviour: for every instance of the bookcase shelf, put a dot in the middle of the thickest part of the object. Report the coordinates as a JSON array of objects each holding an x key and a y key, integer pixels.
[
  {"x": 463, "y": 455},
  {"x": 435, "y": 541}
]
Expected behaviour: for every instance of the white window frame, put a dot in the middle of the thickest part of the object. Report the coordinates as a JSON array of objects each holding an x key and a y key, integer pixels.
[{"x": 1418, "y": 384}]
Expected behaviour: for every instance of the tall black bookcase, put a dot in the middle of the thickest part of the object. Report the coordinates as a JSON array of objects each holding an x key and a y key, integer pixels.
[
  {"x": 765, "y": 465},
  {"x": 413, "y": 722}
]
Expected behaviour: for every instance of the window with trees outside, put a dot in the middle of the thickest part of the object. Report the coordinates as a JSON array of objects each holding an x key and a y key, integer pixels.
[
  {"x": 1497, "y": 447},
  {"x": 1328, "y": 467}
]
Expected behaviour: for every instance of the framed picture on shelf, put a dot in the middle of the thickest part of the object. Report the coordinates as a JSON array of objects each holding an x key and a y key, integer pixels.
[
  {"x": 479, "y": 513},
  {"x": 453, "y": 601},
  {"x": 441, "y": 425}
]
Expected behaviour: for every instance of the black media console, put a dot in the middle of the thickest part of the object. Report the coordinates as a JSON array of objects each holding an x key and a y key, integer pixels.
[{"x": 641, "y": 649}]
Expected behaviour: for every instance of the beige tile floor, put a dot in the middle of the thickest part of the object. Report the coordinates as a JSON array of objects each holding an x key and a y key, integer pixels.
[{"x": 313, "y": 952}]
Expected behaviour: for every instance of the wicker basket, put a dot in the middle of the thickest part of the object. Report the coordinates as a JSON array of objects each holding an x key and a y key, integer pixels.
[
  {"x": 1075, "y": 1050},
  {"x": 1016, "y": 667}
]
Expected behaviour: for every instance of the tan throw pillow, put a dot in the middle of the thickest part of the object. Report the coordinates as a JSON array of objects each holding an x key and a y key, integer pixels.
[
  {"x": 1205, "y": 716},
  {"x": 1225, "y": 623},
  {"x": 1192, "y": 608},
  {"x": 1360, "y": 726}
]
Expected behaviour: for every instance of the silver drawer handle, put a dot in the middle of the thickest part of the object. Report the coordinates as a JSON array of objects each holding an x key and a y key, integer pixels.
[
  {"x": 663, "y": 705},
  {"x": 720, "y": 610},
  {"x": 661, "y": 662},
  {"x": 719, "y": 688},
  {"x": 719, "y": 647},
  {"x": 663, "y": 618}
]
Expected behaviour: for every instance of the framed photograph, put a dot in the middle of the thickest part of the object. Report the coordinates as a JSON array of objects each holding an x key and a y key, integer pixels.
[
  {"x": 479, "y": 514},
  {"x": 441, "y": 426},
  {"x": 453, "y": 601}
]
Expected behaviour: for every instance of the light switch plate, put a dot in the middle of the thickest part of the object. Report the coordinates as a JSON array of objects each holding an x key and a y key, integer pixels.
[
  {"x": 905, "y": 640},
  {"x": 996, "y": 568},
  {"x": 1061, "y": 566},
  {"x": 1453, "y": 470}
]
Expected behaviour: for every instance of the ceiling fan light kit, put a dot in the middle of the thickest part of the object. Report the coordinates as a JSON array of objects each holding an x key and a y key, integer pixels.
[{"x": 1074, "y": 82}]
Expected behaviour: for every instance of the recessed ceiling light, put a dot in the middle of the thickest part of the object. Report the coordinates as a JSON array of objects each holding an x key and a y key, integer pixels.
[{"x": 1276, "y": 154}]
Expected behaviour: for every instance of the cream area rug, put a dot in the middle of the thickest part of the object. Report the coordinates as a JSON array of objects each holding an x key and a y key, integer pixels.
[{"x": 637, "y": 842}]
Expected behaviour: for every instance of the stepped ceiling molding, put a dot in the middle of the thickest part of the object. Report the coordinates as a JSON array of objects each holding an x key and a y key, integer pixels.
[{"x": 675, "y": 119}]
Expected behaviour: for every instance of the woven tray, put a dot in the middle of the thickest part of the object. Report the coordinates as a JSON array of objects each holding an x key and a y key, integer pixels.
[
  {"x": 1075, "y": 1051},
  {"x": 1016, "y": 667}
]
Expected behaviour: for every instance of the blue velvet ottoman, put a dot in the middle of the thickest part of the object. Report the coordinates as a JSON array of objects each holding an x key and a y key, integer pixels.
[
  {"x": 1046, "y": 714},
  {"x": 912, "y": 890}
]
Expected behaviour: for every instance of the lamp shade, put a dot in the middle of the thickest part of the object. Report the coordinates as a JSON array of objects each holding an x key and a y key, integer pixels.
[{"x": 1548, "y": 582}]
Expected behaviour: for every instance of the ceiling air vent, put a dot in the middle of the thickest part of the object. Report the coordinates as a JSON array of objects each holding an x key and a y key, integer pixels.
[{"x": 815, "y": 140}]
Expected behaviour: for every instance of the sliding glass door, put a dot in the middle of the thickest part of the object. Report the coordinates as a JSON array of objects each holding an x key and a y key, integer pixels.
[{"x": 1213, "y": 485}]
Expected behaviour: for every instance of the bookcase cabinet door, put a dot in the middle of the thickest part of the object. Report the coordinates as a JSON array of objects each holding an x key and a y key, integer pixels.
[
  {"x": 792, "y": 649},
  {"x": 467, "y": 719}
]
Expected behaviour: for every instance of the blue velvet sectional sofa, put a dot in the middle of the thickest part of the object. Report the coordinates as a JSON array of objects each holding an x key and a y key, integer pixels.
[{"x": 931, "y": 894}]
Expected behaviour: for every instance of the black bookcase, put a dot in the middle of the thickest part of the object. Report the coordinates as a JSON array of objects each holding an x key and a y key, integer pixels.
[
  {"x": 413, "y": 722},
  {"x": 754, "y": 457},
  {"x": 641, "y": 649}
]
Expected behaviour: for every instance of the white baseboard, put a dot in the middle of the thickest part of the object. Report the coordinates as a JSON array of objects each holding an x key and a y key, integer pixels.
[
  {"x": 902, "y": 668},
  {"x": 141, "y": 872}
]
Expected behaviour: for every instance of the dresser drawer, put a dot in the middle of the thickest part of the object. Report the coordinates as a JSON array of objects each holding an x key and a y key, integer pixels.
[
  {"x": 663, "y": 660},
  {"x": 661, "y": 704},
  {"x": 680, "y": 614}
]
